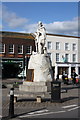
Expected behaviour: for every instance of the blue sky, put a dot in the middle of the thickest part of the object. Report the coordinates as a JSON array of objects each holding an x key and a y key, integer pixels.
[{"x": 58, "y": 17}]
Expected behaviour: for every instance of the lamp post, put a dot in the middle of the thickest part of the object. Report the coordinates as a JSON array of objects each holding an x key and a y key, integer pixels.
[
  {"x": 24, "y": 65},
  {"x": 23, "y": 74}
]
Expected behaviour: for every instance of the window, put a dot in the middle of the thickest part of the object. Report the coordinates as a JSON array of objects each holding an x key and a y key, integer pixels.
[
  {"x": 74, "y": 47},
  {"x": 67, "y": 57},
  {"x": 28, "y": 49},
  {"x": 63, "y": 59},
  {"x": 57, "y": 45},
  {"x": 49, "y": 54},
  {"x": 74, "y": 57},
  {"x": 2, "y": 48},
  {"x": 49, "y": 45},
  {"x": 11, "y": 48},
  {"x": 57, "y": 57},
  {"x": 61, "y": 69},
  {"x": 66, "y": 46},
  {"x": 20, "y": 49}
]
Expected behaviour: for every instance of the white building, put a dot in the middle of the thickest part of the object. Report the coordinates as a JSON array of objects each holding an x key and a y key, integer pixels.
[{"x": 64, "y": 52}]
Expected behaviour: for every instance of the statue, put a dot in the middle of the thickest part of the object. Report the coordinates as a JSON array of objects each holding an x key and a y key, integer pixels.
[
  {"x": 40, "y": 38},
  {"x": 39, "y": 67}
]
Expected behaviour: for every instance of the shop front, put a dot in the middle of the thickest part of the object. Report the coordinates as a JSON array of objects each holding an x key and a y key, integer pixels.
[
  {"x": 66, "y": 68},
  {"x": 11, "y": 68}
]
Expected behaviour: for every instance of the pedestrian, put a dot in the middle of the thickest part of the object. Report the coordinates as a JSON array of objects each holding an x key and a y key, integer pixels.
[
  {"x": 73, "y": 76},
  {"x": 63, "y": 77}
]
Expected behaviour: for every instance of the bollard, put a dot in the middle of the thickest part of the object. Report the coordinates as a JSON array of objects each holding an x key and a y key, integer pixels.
[{"x": 11, "y": 104}]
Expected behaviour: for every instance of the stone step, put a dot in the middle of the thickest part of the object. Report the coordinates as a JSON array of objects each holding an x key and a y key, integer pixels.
[
  {"x": 33, "y": 88},
  {"x": 34, "y": 83},
  {"x": 25, "y": 94}
]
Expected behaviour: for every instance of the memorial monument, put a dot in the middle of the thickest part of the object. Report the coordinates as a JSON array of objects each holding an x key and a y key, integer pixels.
[{"x": 39, "y": 67}]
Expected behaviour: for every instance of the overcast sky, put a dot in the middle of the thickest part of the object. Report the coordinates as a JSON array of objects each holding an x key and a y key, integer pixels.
[{"x": 57, "y": 17}]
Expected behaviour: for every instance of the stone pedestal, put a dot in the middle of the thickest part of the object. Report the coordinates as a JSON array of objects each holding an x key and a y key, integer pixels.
[
  {"x": 43, "y": 74},
  {"x": 33, "y": 87},
  {"x": 42, "y": 67}
]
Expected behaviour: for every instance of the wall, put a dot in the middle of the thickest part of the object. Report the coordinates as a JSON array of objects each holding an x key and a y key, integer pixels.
[{"x": 62, "y": 40}]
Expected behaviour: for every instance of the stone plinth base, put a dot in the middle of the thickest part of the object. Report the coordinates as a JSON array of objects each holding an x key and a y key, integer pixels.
[
  {"x": 42, "y": 67},
  {"x": 34, "y": 87}
]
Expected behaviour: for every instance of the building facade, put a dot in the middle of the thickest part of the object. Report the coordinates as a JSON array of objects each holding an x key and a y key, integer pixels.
[
  {"x": 64, "y": 52},
  {"x": 15, "y": 50}
]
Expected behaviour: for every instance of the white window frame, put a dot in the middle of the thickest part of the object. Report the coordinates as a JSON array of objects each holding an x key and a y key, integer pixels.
[
  {"x": 58, "y": 57},
  {"x": 2, "y": 48},
  {"x": 67, "y": 48},
  {"x": 68, "y": 57},
  {"x": 58, "y": 43},
  {"x": 30, "y": 49},
  {"x": 75, "y": 57},
  {"x": 50, "y": 55},
  {"x": 12, "y": 49},
  {"x": 75, "y": 46},
  {"x": 21, "y": 50},
  {"x": 49, "y": 43}
]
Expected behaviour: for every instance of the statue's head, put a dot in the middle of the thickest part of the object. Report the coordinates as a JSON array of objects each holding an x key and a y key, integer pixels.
[{"x": 39, "y": 23}]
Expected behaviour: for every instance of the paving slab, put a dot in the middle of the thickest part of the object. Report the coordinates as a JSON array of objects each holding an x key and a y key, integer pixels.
[{"x": 27, "y": 103}]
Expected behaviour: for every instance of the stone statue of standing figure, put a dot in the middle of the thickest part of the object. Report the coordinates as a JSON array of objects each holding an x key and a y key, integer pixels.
[{"x": 40, "y": 38}]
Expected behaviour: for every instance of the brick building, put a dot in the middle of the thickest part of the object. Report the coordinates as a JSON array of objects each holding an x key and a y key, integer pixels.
[{"x": 15, "y": 50}]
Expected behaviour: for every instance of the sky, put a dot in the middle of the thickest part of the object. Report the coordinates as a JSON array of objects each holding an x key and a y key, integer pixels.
[{"x": 57, "y": 17}]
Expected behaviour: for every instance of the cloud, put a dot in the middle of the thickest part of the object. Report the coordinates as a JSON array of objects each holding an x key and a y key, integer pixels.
[
  {"x": 58, "y": 27},
  {"x": 11, "y": 19},
  {"x": 31, "y": 28},
  {"x": 63, "y": 27},
  {"x": 0, "y": 27}
]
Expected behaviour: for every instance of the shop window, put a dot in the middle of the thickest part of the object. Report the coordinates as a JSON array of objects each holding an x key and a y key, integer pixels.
[{"x": 61, "y": 69}]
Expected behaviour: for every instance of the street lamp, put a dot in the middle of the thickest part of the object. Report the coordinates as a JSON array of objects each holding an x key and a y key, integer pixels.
[{"x": 24, "y": 65}]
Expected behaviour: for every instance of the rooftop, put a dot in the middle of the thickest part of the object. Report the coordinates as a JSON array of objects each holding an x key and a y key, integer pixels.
[
  {"x": 29, "y": 35},
  {"x": 16, "y": 35},
  {"x": 62, "y": 35}
]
